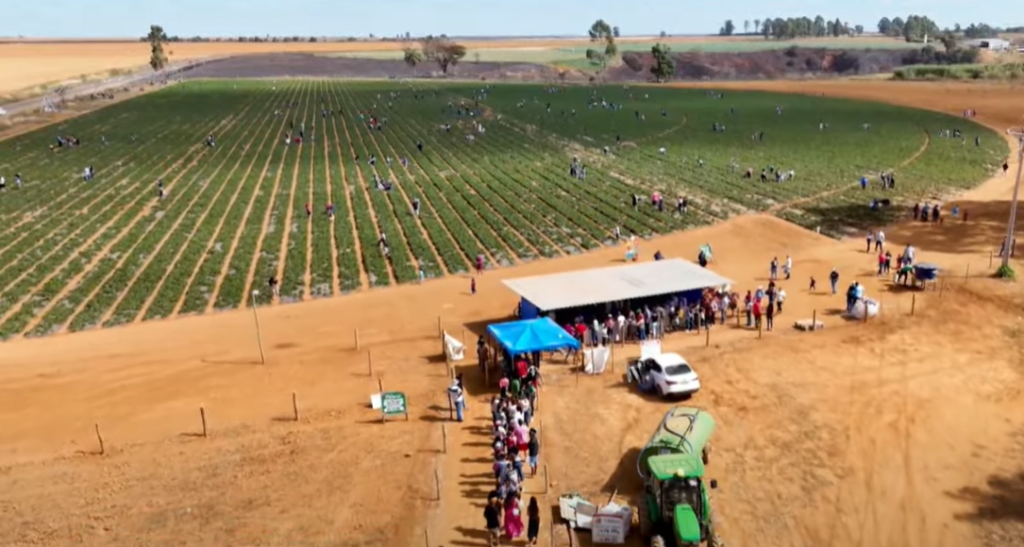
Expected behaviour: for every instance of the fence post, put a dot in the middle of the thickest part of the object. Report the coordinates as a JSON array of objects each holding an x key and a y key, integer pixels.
[
  {"x": 913, "y": 303},
  {"x": 437, "y": 483},
  {"x": 440, "y": 329},
  {"x": 707, "y": 337},
  {"x": 355, "y": 334},
  {"x": 814, "y": 320},
  {"x": 967, "y": 273},
  {"x": 444, "y": 439},
  {"x": 295, "y": 406},
  {"x": 202, "y": 416},
  {"x": 369, "y": 363},
  {"x": 99, "y": 437}
]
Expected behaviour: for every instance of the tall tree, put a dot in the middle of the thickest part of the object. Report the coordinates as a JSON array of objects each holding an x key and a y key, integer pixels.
[
  {"x": 664, "y": 66},
  {"x": 442, "y": 51},
  {"x": 412, "y": 56},
  {"x": 728, "y": 28},
  {"x": 602, "y": 33},
  {"x": 757, "y": 25},
  {"x": 885, "y": 26},
  {"x": 156, "y": 39},
  {"x": 896, "y": 28},
  {"x": 819, "y": 26},
  {"x": 859, "y": 29},
  {"x": 746, "y": 26}
]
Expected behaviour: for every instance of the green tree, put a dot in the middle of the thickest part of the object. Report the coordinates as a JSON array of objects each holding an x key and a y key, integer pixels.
[
  {"x": 757, "y": 25},
  {"x": 819, "y": 27},
  {"x": 746, "y": 26},
  {"x": 442, "y": 51},
  {"x": 859, "y": 30},
  {"x": 948, "y": 41},
  {"x": 896, "y": 28},
  {"x": 156, "y": 39},
  {"x": 885, "y": 26},
  {"x": 664, "y": 66},
  {"x": 728, "y": 28},
  {"x": 603, "y": 33},
  {"x": 412, "y": 56}
]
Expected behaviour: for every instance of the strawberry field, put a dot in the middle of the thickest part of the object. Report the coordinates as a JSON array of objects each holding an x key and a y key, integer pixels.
[{"x": 78, "y": 255}]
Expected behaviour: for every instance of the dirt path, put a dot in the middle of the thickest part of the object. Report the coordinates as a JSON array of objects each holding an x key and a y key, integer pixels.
[
  {"x": 335, "y": 270},
  {"x": 362, "y": 188},
  {"x": 74, "y": 281},
  {"x": 286, "y": 227},
  {"x": 206, "y": 212},
  {"x": 664, "y": 133},
  {"x": 777, "y": 208}
]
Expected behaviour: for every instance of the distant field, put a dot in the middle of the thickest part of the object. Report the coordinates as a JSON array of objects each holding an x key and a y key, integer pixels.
[{"x": 575, "y": 56}]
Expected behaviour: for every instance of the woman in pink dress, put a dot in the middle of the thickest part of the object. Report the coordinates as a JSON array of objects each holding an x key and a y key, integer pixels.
[{"x": 513, "y": 516}]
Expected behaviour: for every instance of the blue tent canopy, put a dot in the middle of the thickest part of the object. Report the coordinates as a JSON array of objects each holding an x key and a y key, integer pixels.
[{"x": 532, "y": 335}]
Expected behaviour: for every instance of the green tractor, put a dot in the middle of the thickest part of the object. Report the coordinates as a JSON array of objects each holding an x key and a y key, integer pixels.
[{"x": 675, "y": 503}]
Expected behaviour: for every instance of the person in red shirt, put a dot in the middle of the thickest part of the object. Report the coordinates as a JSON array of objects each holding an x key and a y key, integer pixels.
[
  {"x": 309, "y": 210},
  {"x": 521, "y": 368},
  {"x": 581, "y": 331},
  {"x": 757, "y": 314}
]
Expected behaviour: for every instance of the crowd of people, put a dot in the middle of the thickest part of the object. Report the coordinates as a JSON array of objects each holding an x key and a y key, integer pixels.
[{"x": 513, "y": 438}]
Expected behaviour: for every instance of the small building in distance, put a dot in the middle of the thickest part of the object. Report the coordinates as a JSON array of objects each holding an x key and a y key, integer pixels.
[{"x": 993, "y": 44}]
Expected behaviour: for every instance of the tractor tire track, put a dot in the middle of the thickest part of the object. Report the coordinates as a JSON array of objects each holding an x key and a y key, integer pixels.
[{"x": 778, "y": 208}]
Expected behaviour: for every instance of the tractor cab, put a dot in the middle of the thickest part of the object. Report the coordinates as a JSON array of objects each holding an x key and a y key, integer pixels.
[{"x": 676, "y": 502}]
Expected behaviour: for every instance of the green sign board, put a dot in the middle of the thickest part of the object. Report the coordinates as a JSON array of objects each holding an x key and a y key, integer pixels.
[{"x": 393, "y": 402}]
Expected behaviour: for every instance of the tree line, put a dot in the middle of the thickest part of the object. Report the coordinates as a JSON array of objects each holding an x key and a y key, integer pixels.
[{"x": 915, "y": 28}]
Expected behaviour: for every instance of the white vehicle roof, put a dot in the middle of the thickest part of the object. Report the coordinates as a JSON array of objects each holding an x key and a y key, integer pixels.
[{"x": 669, "y": 359}]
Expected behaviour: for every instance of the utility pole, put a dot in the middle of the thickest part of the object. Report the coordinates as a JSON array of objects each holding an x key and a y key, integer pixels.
[{"x": 1011, "y": 225}]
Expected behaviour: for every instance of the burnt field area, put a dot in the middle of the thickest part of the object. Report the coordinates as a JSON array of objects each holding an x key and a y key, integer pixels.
[
  {"x": 635, "y": 66},
  {"x": 283, "y": 65},
  {"x": 768, "y": 64}
]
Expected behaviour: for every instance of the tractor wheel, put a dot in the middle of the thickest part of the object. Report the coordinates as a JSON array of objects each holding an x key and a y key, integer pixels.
[
  {"x": 657, "y": 541},
  {"x": 644, "y": 518}
]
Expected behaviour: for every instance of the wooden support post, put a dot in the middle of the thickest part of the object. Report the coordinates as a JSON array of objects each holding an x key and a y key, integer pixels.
[
  {"x": 426, "y": 538},
  {"x": 202, "y": 416},
  {"x": 547, "y": 479},
  {"x": 369, "y": 363},
  {"x": 437, "y": 483},
  {"x": 967, "y": 273},
  {"x": 355, "y": 335},
  {"x": 295, "y": 406},
  {"x": 440, "y": 329},
  {"x": 99, "y": 437},
  {"x": 707, "y": 337},
  {"x": 611, "y": 355},
  {"x": 444, "y": 439},
  {"x": 814, "y": 320},
  {"x": 913, "y": 303},
  {"x": 760, "y": 325},
  {"x": 380, "y": 385}
]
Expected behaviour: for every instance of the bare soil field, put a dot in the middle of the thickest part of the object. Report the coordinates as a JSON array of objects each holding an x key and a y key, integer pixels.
[{"x": 903, "y": 431}]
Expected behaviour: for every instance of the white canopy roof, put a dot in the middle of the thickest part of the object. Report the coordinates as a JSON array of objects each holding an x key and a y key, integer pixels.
[{"x": 612, "y": 284}]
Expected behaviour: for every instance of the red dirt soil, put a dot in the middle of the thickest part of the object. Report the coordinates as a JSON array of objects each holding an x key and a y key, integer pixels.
[{"x": 903, "y": 431}]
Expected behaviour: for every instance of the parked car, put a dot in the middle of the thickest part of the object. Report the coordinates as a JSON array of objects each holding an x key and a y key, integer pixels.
[{"x": 667, "y": 374}]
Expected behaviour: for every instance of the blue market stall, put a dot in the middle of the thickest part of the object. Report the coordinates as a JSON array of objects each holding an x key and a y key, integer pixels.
[
  {"x": 532, "y": 335},
  {"x": 528, "y": 337}
]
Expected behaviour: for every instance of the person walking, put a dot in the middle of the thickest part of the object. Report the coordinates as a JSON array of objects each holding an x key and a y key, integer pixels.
[
  {"x": 492, "y": 519},
  {"x": 513, "y": 516},
  {"x": 532, "y": 522},
  {"x": 533, "y": 451},
  {"x": 769, "y": 316},
  {"x": 833, "y": 278},
  {"x": 458, "y": 399},
  {"x": 472, "y": 285}
]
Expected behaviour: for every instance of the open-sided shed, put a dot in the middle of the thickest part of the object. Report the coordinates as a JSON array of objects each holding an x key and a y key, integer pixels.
[{"x": 547, "y": 293}]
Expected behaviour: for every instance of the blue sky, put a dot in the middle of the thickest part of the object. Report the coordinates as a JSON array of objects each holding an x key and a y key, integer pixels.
[{"x": 130, "y": 18}]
